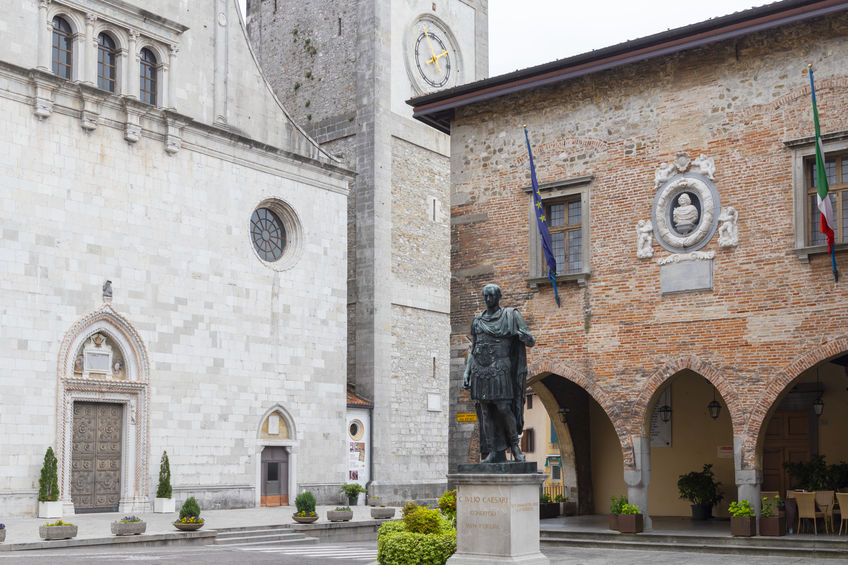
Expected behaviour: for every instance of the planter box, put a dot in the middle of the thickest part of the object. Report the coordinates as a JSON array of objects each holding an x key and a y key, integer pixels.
[
  {"x": 743, "y": 526},
  {"x": 164, "y": 505},
  {"x": 773, "y": 526},
  {"x": 568, "y": 508},
  {"x": 339, "y": 515},
  {"x": 2, "y": 535},
  {"x": 188, "y": 527},
  {"x": 57, "y": 532},
  {"x": 304, "y": 519},
  {"x": 630, "y": 523},
  {"x": 548, "y": 510},
  {"x": 382, "y": 513},
  {"x": 128, "y": 528},
  {"x": 50, "y": 509},
  {"x": 613, "y": 522}
]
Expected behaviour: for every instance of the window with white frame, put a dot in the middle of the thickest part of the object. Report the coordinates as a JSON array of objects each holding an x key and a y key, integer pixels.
[
  {"x": 808, "y": 239},
  {"x": 107, "y": 63},
  {"x": 63, "y": 48},
  {"x": 566, "y": 206},
  {"x": 148, "y": 71}
]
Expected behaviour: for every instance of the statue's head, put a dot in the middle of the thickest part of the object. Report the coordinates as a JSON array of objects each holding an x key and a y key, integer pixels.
[
  {"x": 684, "y": 200},
  {"x": 492, "y": 294}
]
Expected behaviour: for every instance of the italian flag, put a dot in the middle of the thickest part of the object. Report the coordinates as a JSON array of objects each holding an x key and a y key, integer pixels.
[{"x": 827, "y": 223}]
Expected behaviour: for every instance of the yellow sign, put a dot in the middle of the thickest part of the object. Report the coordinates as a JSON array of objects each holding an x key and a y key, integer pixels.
[{"x": 466, "y": 417}]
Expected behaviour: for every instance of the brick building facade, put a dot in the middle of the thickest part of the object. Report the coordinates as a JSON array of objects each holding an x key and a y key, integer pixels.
[{"x": 746, "y": 309}]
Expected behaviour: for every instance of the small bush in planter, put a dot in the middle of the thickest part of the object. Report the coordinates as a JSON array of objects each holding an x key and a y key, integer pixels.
[
  {"x": 164, "y": 488},
  {"x": 190, "y": 512},
  {"x": 616, "y": 503},
  {"x": 742, "y": 517},
  {"x": 48, "y": 483},
  {"x": 352, "y": 491},
  {"x": 702, "y": 490},
  {"x": 771, "y": 522},
  {"x": 305, "y": 504},
  {"x": 630, "y": 519}
]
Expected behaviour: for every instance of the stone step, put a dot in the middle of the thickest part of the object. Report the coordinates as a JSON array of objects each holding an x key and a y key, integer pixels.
[
  {"x": 778, "y": 546},
  {"x": 288, "y": 537},
  {"x": 252, "y": 531}
]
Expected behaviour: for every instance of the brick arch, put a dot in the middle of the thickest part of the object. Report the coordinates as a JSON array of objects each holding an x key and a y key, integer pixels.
[
  {"x": 704, "y": 369},
  {"x": 616, "y": 412},
  {"x": 769, "y": 395},
  {"x": 804, "y": 91}
]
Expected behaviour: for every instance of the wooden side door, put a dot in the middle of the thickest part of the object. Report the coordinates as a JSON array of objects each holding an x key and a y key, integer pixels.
[
  {"x": 275, "y": 477},
  {"x": 787, "y": 440}
]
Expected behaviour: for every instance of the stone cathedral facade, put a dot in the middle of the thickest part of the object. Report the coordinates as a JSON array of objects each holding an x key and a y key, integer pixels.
[
  {"x": 344, "y": 69},
  {"x": 172, "y": 263}
]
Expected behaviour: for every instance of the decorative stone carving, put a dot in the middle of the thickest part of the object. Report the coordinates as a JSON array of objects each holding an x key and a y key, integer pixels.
[
  {"x": 92, "y": 99},
  {"x": 107, "y": 291},
  {"x": 173, "y": 139},
  {"x": 46, "y": 85},
  {"x": 728, "y": 231},
  {"x": 686, "y": 206},
  {"x": 684, "y": 257},
  {"x": 134, "y": 110},
  {"x": 644, "y": 239}
]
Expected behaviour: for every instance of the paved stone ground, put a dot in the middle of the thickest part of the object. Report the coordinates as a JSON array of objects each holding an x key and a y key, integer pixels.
[{"x": 593, "y": 556}]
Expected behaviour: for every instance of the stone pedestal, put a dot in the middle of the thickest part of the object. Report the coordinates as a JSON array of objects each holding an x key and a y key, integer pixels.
[{"x": 497, "y": 518}]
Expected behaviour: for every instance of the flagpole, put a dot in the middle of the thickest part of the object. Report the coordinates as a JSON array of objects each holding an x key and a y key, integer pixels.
[
  {"x": 826, "y": 222},
  {"x": 541, "y": 221}
]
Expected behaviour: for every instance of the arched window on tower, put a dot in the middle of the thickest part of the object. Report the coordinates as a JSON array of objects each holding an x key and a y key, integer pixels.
[
  {"x": 148, "y": 70},
  {"x": 63, "y": 48},
  {"x": 107, "y": 55}
]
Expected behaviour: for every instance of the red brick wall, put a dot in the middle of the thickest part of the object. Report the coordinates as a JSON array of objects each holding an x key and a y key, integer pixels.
[{"x": 769, "y": 316}]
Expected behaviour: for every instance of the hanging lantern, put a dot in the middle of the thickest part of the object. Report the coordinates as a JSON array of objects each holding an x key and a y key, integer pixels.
[{"x": 714, "y": 407}]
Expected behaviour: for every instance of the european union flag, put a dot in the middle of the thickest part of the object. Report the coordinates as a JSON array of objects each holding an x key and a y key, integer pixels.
[{"x": 542, "y": 222}]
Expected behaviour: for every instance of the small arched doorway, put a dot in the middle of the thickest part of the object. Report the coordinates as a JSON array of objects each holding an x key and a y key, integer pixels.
[{"x": 276, "y": 458}]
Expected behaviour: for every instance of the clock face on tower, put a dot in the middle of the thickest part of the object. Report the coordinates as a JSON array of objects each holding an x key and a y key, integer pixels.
[{"x": 433, "y": 56}]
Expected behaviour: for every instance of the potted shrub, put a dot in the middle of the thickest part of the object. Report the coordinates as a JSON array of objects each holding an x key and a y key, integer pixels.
[
  {"x": 163, "y": 503},
  {"x": 379, "y": 510},
  {"x": 129, "y": 526},
  {"x": 616, "y": 502},
  {"x": 742, "y": 519},
  {"x": 630, "y": 520},
  {"x": 190, "y": 519},
  {"x": 305, "y": 504},
  {"x": 2, "y": 533},
  {"x": 702, "y": 490},
  {"x": 566, "y": 508},
  {"x": 352, "y": 492},
  {"x": 57, "y": 530},
  {"x": 771, "y": 522},
  {"x": 340, "y": 514},
  {"x": 547, "y": 507},
  {"x": 49, "y": 505}
]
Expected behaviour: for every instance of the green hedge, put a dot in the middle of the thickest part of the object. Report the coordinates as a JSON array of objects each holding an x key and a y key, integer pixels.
[{"x": 397, "y": 546}]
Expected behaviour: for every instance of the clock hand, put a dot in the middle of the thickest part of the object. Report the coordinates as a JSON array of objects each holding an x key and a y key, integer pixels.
[{"x": 432, "y": 51}]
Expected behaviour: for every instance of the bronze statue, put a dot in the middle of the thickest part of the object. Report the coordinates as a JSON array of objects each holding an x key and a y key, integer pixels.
[{"x": 495, "y": 372}]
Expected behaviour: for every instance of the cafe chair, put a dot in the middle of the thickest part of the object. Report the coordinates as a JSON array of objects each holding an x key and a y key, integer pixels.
[
  {"x": 842, "y": 497},
  {"x": 824, "y": 500},
  {"x": 807, "y": 509}
]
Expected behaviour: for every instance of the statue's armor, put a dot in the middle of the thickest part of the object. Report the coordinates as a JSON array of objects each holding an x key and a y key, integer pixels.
[{"x": 490, "y": 368}]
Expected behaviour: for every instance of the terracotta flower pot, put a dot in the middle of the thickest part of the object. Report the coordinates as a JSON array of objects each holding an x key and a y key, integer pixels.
[
  {"x": 304, "y": 519},
  {"x": 773, "y": 526},
  {"x": 744, "y": 526},
  {"x": 57, "y": 532},
  {"x": 2, "y": 535},
  {"x": 128, "y": 528},
  {"x": 188, "y": 526},
  {"x": 630, "y": 523}
]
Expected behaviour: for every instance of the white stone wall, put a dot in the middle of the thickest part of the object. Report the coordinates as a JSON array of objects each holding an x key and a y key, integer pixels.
[{"x": 227, "y": 337}]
